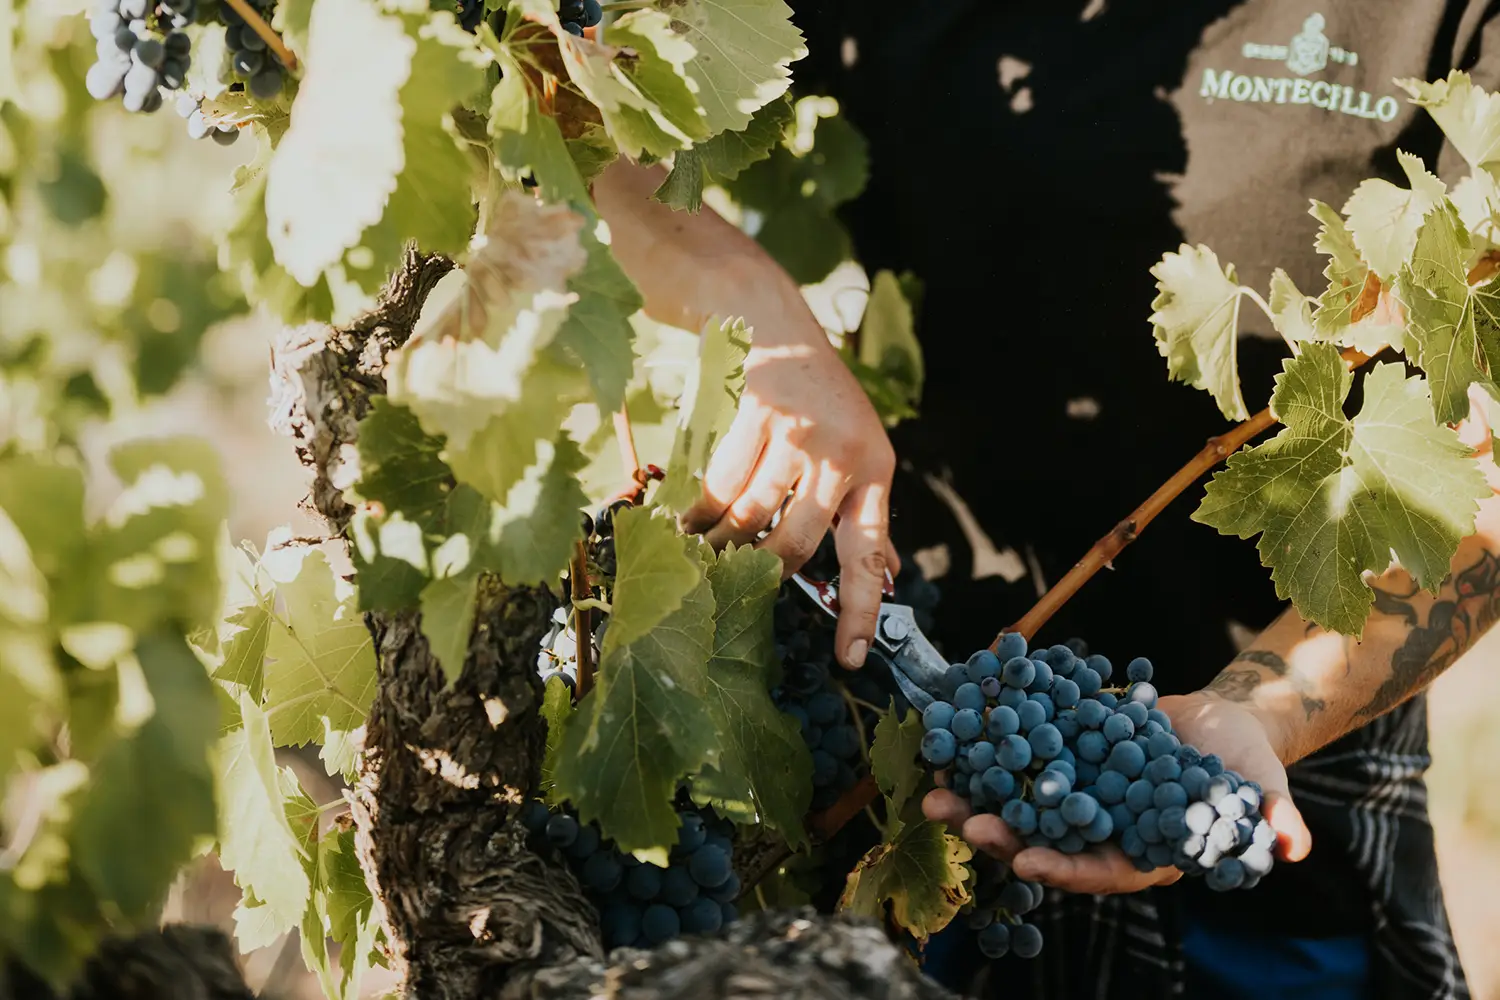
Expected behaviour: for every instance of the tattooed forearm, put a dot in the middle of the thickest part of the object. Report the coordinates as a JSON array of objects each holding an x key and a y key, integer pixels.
[
  {"x": 1239, "y": 683},
  {"x": 1469, "y": 604}
]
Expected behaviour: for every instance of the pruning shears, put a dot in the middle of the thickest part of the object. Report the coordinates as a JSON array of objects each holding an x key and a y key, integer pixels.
[{"x": 915, "y": 664}]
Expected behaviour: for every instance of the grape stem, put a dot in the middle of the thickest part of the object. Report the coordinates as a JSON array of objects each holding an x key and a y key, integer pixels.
[
  {"x": 260, "y": 27},
  {"x": 631, "y": 461},
  {"x": 1111, "y": 545},
  {"x": 583, "y": 632}
]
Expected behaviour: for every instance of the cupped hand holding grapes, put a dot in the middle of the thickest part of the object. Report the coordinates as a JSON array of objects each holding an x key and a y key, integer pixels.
[{"x": 1205, "y": 720}]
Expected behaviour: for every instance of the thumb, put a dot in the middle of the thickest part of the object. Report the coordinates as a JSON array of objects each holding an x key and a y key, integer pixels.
[{"x": 1293, "y": 838}]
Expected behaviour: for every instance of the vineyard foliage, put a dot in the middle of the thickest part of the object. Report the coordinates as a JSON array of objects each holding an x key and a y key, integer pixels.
[{"x": 150, "y": 669}]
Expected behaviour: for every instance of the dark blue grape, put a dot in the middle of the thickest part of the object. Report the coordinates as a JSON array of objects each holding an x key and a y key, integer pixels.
[
  {"x": 1228, "y": 874},
  {"x": 1018, "y": 672},
  {"x": 660, "y": 923},
  {"x": 1127, "y": 758},
  {"x": 1051, "y": 824},
  {"x": 621, "y": 924},
  {"x": 1092, "y": 746},
  {"x": 1098, "y": 829},
  {"x": 967, "y": 724},
  {"x": 726, "y": 893},
  {"x": 1163, "y": 769},
  {"x": 704, "y": 916},
  {"x": 1118, "y": 728},
  {"x": 1031, "y": 714},
  {"x": 644, "y": 882},
  {"x": 1065, "y": 693},
  {"x": 968, "y": 696},
  {"x": 998, "y": 784},
  {"x": 1020, "y": 816},
  {"x": 1148, "y": 825},
  {"x": 994, "y": 940},
  {"x": 585, "y": 844},
  {"x": 1026, "y": 940},
  {"x": 1172, "y": 821},
  {"x": 1135, "y": 712},
  {"x": 562, "y": 830},
  {"x": 1079, "y": 809},
  {"x": 982, "y": 756},
  {"x": 939, "y": 747},
  {"x": 601, "y": 872},
  {"x": 825, "y": 708},
  {"x": 991, "y": 686},
  {"x": 1011, "y": 645},
  {"x": 1046, "y": 742},
  {"x": 842, "y": 741},
  {"x": 983, "y": 664},
  {"x": 709, "y": 866},
  {"x": 1142, "y": 693},
  {"x": 1042, "y": 681},
  {"x": 678, "y": 887},
  {"x": 1112, "y": 786},
  {"x": 1138, "y": 669},
  {"x": 1050, "y": 788},
  {"x": 938, "y": 715},
  {"x": 1013, "y": 753},
  {"x": 1169, "y": 794}
]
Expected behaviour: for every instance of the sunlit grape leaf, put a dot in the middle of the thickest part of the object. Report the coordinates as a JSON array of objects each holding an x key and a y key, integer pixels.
[
  {"x": 400, "y": 466},
  {"x": 1477, "y": 198},
  {"x": 333, "y": 171},
  {"x": 597, "y": 330},
  {"x": 1345, "y": 272},
  {"x": 479, "y": 371},
  {"x": 1291, "y": 311},
  {"x": 1384, "y": 219},
  {"x": 1197, "y": 321},
  {"x": 557, "y": 707},
  {"x": 529, "y": 142},
  {"x": 723, "y": 157},
  {"x": 349, "y": 900},
  {"x": 431, "y": 203},
  {"x": 245, "y": 251},
  {"x": 1468, "y": 116},
  {"x": 533, "y": 533},
  {"x": 255, "y": 925},
  {"x": 320, "y": 674},
  {"x": 43, "y": 499},
  {"x": 156, "y": 547},
  {"x": 447, "y": 620},
  {"x": 744, "y": 51},
  {"x": 151, "y": 794},
  {"x": 888, "y": 343},
  {"x": 635, "y": 123},
  {"x": 654, "y": 61},
  {"x": 708, "y": 408},
  {"x": 920, "y": 874},
  {"x": 642, "y": 728},
  {"x": 256, "y": 842},
  {"x": 1332, "y": 498},
  {"x": 761, "y": 771},
  {"x": 893, "y": 757},
  {"x": 520, "y": 265},
  {"x": 245, "y": 652},
  {"x": 1454, "y": 329}
]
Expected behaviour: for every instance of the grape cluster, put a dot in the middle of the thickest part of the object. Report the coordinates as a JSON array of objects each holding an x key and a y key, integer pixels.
[
  {"x": 250, "y": 60},
  {"x": 642, "y": 904},
  {"x": 1067, "y": 762},
  {"x": 579, "y": 14},
  {"x": 141, "y": 50},
  {"x": 822, "y": 697},
  {"x": 996, "y": 911},
  {"x": 559, "y": 653}
]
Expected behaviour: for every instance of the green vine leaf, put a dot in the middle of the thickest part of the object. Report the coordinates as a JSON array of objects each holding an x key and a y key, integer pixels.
[
  {"x": 920, "y": 873},
  {"x": 656, "y": 66},
  {"x": 1384, "y": 219},
  {"x": 1196, "y": 322},
  {"x": 1332, "y": 498},
  {"x": 151, "y": 793},
  {"x": 448, "y": 619},
  {"x": 1468, "y": 116},
  {"x": 744, "y": 52},
  {"x": 557, "y": 708},
  {"x": 256, "y": 842},
  {"x": 479, "y": 373},
  {"x": 320, "y": 675},
  {"x": 893, "y": 758},
  {"x": 638, "y": 127},
  {"x": 710, "y": 399},
  {"x": 642, "y": 728},
  {"x": 533, "y": 534},
  {"x": 597, "y": 330},
  {"x": 334, "y": 171},
  {"x": 431, "y": 205},
  {"x": 1291, "y": 311},
  {"x": 762, "y": 770},
  {"x": 528, "y": 142},
  {"x": 1454, "y": 329},
  {"x": 724, "y": 156}
]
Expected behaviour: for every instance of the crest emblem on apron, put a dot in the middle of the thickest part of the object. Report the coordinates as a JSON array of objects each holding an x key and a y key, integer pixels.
[{"x": 1308, "y": 51}]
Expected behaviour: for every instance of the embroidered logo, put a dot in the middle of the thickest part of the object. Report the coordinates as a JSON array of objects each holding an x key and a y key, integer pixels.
[
  {"x": 1309, "y": 48},
  {"x": 1308, "y": 52}
]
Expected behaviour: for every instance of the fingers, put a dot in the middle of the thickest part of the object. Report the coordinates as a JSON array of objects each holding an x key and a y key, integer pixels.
[
  {"x": 861, "y": 538},
  {"x": 892, "y": 560},
  {"x": 750, "y": 512},
  {"x": 729, "y": 469},
  {"x": 984, "y": 831},
  {"x": 942, "y": 806},
  {"x": 1099, "y": 870},
  {"x": 1293, "y": 838},
  {"x": 802, "y": 526}
]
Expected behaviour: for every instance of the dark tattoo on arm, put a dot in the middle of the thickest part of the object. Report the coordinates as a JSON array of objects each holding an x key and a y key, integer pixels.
[
  {"x": 1453, "y": 624},
  {"x": 1240, "y": 683}
]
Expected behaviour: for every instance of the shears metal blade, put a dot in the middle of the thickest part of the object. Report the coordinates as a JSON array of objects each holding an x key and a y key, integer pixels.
[{"x": 915, "y": 664}]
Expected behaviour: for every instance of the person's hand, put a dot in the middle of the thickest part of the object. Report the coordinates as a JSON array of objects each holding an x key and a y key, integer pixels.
[
  {"x": 805, "y": 426},
  {"x": 1203, "y": 719}
]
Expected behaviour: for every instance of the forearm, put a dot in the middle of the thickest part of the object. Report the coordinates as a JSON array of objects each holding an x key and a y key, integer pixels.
[
  {"x": 690, "y": 268},
  {"x": 1310, "y": 686}
]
